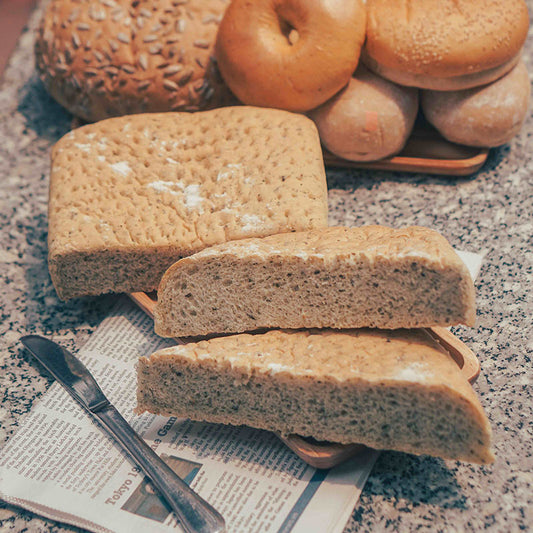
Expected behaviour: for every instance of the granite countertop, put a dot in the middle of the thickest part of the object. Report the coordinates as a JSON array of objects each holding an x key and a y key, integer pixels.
[{"x": 489, "y": 213}]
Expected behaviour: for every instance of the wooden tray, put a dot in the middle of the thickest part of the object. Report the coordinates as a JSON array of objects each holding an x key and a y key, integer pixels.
[
  {"x": 426, "y": 151},
  {"x": 329, "y": 454}
]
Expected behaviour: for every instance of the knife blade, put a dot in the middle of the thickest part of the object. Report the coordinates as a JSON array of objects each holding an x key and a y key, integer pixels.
[{"x": 194, "y": 513}]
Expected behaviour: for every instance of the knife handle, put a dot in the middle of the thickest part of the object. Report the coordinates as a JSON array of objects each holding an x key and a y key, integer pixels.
[{"x": 194, "y": 513}]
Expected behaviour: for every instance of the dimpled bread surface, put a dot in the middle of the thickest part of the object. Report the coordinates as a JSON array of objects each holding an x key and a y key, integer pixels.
[
  {"x": 397, "y": 390},
  {"x": 129, "y": 196},
  {"x": 370, "y": 276}
]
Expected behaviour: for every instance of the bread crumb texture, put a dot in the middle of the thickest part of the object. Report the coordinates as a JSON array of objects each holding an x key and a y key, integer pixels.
[
  {"x": 115, "y": 57},
  {"x": 129, "y": 196},
  {"x": 396, "y": 390},
  {"x": 370, "y": 276}
]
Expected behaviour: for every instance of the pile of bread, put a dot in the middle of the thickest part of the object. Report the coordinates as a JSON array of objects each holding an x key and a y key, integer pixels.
[
  {"x": 225, "y": 212},
  {"x": 459, "y": 58}
]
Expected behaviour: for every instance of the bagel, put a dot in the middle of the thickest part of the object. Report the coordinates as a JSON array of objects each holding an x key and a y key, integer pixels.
[
  {"x": 444, "y": 44},
  {"x": 371, "y": 118},
  {"x": 289, "y": 54},
  {"x": 484, "y": 116}
]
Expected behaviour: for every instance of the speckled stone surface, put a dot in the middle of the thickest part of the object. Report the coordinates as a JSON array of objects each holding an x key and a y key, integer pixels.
[{"x": 489, "y": 212}]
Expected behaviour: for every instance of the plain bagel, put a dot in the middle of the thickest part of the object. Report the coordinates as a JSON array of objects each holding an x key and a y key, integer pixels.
[
  {"x": 444, "y": 44},
  {"x": 289, "y": 54},
  {"x": 484, "y": 116},
  {"x": 371, "y": 118}
]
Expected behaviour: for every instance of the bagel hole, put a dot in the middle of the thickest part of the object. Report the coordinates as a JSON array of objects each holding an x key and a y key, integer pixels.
[
  {"x": 294, "y": 37},
  {"x": 288, "y": 31}
]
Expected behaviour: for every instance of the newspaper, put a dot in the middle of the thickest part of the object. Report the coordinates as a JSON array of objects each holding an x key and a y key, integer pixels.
[{"x": 60, "y": 465}]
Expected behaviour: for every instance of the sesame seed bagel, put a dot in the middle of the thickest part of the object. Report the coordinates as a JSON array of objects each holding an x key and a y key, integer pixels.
[
  {"x": 289, "y": 54},
  {"x": 444, "y": 44},
  {"x": 117, "y": 57}
]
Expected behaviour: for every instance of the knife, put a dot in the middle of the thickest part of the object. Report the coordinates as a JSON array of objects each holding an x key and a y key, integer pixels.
[{"x": 194, "y": 513}]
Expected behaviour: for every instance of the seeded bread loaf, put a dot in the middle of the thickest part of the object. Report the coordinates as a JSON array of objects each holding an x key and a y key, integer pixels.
[
  {"x": 397, "y": 390},
  {"x": 129, "y": 196},
  {"x": 116, "y": 57},
  {"x": 339, "y": 277}
]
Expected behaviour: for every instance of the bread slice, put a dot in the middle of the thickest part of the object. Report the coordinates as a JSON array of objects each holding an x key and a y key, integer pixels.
[
  {"x": 370, "y": 276},
  {"x": 397, "y": 390},
  {"x": 129, "y": 196}
]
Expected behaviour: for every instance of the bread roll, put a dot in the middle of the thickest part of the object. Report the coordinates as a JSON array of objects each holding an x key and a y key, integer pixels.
[
  {"x": 371, "y": 118},
  {"x": 370, "y": 276},
  {"x": 117, "y": 57},
  {"x": 390, "y": 390},
  {"x": 444, "y": 44},
  {"x": 488, "y": 116},
  {"x": 290, "y": 54},
  {"x": 129, "y": 196}
]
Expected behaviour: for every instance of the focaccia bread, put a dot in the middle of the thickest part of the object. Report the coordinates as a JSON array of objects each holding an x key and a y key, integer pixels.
[
  {"x": 339, "y": 277},
  {"x": 129, "y": 196},
  {"x": 107, "y": 58},
  {"x": 396, "y": 390}
]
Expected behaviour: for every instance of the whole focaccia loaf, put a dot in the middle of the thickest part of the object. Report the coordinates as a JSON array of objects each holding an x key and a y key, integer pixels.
[
  {"x": 395, "y": 390},
  {"x": 129, "y": 196},
  {"x": 106, "y": 58},
  {"x": 371, "y": 276}
]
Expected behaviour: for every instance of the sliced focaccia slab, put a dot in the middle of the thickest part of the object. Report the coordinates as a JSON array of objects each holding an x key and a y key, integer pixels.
[
  {"x": 397, "y": 390},
  {"x": 371, "y": 276},
  {"x": 129, "y": 196}
]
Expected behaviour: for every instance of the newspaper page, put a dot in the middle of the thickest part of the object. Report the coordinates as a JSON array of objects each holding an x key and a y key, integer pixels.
[{"x": 60, "y": 465}]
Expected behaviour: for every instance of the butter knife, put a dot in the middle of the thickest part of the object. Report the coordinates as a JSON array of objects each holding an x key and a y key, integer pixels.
[{"x": 194, "y": 513}]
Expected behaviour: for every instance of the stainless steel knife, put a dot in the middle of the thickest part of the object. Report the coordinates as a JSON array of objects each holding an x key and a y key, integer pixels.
[{"x": 194, "y": 513}]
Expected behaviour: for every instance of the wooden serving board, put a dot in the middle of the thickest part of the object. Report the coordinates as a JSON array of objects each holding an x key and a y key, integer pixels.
[
  {"x": 472, "y": 161},
  {"x": 426, "y": 151},
  {"x": 329, "y": 454}
]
